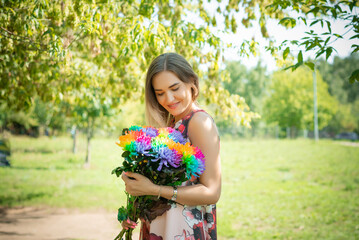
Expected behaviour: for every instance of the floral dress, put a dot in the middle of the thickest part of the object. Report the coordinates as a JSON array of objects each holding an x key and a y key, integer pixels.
[{"x": 183, "y": 222}]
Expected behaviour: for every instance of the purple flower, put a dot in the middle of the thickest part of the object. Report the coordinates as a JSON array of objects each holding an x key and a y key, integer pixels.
[
  {"x": 177, "y": 137},
  {"x": 149, "y": 131},
  {"x": 142, "y": 147},
  {"x": 166, "y": 157}
]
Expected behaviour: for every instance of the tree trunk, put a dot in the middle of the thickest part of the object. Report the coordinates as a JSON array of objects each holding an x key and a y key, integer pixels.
[
  {"x": 276, "y": 132},
  {"x": 90, "y": 127},
  {"x": 305, "y": 133},
  {"x": 88, "y": 152},
  {"x": 288, "y": 132},
  {"x": 293, "y": 132},
  {"x": 74, "y": 136}
]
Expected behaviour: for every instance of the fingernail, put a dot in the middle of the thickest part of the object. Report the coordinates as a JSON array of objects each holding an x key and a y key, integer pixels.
[
  {"x": 128, "y": 220},
  {"x": 126, "y": 228},
  {"x": 125, "y": 173},
  {"x": 132, "y": 226}
]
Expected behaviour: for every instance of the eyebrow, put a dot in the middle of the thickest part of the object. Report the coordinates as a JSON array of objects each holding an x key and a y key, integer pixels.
[{"x": 173, "y": 85}]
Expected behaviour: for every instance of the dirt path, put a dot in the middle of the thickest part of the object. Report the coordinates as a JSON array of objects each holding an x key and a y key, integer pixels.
[
  {"x": 351, "y": 144},
  {"x": 57, "y": 224}
]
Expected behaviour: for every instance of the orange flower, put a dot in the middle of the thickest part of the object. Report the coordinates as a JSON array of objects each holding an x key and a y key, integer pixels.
[{"x": 126, "y": 139}]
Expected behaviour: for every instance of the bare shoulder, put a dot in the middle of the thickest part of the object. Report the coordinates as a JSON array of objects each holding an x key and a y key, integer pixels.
[{"x": 202, "y": 126}]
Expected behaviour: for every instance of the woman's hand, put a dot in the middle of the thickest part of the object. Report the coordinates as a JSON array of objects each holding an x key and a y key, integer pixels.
[
  {"x": 138, "y": 185},
  {"x": 128, "y": 224}
]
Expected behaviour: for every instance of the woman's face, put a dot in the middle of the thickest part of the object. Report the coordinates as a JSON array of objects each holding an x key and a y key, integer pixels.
[{"x": 173, "y": 94}]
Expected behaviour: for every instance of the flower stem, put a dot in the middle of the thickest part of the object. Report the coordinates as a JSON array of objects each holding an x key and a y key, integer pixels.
[{"x": 120, "y": 235}]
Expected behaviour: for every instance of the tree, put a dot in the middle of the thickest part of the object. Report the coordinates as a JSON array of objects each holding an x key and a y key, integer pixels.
[
  {"x": 291, "y": 100},
  {"x": 42, "y": 39},
  {"x": 251, "y": 84},
  {"x": 39, "y": 37},
  {"x": 335, "y": 74},
  {"x": 93, "y": 55},
  {"x": 312, "y": 13}
]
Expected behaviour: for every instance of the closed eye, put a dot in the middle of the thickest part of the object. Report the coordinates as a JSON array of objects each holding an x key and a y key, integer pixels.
[{"x": 175, "y": 89}]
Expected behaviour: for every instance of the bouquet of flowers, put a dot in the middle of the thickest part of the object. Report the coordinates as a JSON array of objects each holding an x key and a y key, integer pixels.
[{"x": 163, "y": 156}]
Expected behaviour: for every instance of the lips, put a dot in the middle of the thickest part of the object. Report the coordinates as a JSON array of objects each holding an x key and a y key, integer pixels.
[{"x": 173, "y": 106}]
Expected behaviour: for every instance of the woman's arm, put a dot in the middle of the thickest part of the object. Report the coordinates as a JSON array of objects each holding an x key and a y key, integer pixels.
[{"x": 203, "y": 134}]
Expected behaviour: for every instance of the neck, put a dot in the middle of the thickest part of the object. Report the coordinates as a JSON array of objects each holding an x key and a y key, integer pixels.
[{"x": 186, "y": 112}]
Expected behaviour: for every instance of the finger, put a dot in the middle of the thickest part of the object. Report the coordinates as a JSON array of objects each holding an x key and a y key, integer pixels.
[
  {"x": 125, "y": 224},
  {"x": 132, "y": 175},
  {"x": 129, "y": 224},
  {"x": 125, "y": 177}
]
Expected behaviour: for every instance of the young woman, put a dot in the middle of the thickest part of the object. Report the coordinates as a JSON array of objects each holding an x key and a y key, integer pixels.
[{"x": 171, "y": 91}]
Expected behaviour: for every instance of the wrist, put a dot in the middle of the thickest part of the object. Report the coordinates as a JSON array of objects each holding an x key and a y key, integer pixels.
[{"x": 154, "y": 190}]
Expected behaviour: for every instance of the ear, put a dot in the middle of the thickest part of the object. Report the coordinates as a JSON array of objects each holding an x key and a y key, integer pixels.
[{"x": 194, "y": 90}]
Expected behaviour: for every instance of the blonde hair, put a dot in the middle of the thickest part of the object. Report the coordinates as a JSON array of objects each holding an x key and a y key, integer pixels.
[{"x": 156, "y": 115}]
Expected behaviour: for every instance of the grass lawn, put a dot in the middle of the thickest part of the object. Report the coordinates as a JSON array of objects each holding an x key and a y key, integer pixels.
[{"x": 272, "y": 189}]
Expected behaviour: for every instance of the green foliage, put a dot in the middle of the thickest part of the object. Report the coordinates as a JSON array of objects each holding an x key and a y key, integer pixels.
[
  {"x": 291, "y": 100},
  {"x": 335, "y": 74},
  {"x": 60, "y": 50},
  {"x": 289, "y": 189},
  {"x": 251, "y": 84},
  {"x": 39, "y": 115},
  {"x": 88, "y": 58},
  {"x": 313, "y": 13},
  {"x": 344, "y": 119}
]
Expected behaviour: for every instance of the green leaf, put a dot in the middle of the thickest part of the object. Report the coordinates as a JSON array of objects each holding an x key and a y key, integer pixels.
[
  {"x": 327, "y": 40},
  {"x": 125, "y": 154},
  {"x": 320, "y": 52},
  {"x": 338, "y": 35},
  {"x": 356, "y": 48},
  {"x": 329, "y": 26},
  {"x": 314, "y": 11},
  {"x": 297, "y": 65},
  {"x": 311, "y": 65},
  {"x": 300, "y": 57},
  {"x": 328, "y": 52},
  {"x": 288, "y": 21},
  {"x": 122, "y": 214},
  {"x": 314, "y": 22},
  {"x": 286, "y": 52},
  {"x": 354, "y": 76}
]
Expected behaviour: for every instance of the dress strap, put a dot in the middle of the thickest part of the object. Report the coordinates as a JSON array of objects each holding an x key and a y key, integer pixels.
[{"x": 183, "y": 128}]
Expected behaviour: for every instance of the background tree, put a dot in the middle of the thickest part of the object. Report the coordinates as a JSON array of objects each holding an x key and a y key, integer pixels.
[
  {"x": 314, "y": 13},
  {"x": 335, "y": 74},
  {"x": 45, "y": 43},
  {"x": 94, "y": 54},
  {"x": 251, "y": 84},
  {"x": 42, "y": 39},
  {"x": 290, "y": 103}
]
